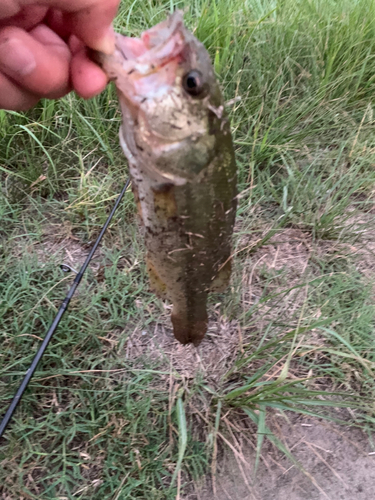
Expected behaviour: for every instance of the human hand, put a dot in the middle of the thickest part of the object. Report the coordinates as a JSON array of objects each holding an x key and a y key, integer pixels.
[{"x": 42, "y": 49}]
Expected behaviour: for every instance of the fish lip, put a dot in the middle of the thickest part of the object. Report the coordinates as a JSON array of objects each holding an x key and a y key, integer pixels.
[
  {"x": 146, "y": 54},
  {"x": 156, "y": 46},
  {"x": 140, "y": 66}
]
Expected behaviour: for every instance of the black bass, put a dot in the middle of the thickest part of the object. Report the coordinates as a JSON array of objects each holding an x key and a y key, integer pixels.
[{"x": 176, "y": 137}]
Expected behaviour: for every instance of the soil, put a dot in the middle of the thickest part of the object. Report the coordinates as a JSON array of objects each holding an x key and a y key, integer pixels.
[{"x": 338, "y": 462}]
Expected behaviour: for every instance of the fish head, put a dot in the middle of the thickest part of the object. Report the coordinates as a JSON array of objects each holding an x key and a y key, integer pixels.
[{"x": 171, "y": 102}]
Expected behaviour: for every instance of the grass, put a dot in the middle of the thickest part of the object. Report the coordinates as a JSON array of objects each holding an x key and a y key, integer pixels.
[{"x": 107, "y": 418}]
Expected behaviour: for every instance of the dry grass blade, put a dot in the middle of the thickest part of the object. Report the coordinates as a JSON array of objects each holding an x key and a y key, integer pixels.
[{"x": 182, "y": 435}]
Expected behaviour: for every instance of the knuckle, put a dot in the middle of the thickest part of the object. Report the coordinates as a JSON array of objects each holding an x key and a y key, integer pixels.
[
  {"x": 56, "y": 77},
  {"x": 9, "y": 32}
]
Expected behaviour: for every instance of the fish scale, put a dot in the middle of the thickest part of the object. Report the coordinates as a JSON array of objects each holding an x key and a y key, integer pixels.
[{"x": 176, "y": 137}]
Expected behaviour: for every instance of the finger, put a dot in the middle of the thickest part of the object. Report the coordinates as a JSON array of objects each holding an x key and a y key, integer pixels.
[
  {"x": 55, "y": 20},
  {"x": 87, "y": 78},
  {"x": 27, "y": 18},
  {"x": 13, "y": 97},
  {"x": 75, "y": 44},
  {"x": 37, "y": 61},
  {"x": 90, "y": 20},
  {"x": 93, "y": 25},
  {"x": 9, "y": 8}
]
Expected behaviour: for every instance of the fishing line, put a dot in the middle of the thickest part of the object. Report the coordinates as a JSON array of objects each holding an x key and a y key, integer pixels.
[{"x": 59, "y": 315}]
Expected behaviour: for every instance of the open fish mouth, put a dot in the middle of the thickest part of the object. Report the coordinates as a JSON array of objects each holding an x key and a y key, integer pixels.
[
  {"x": 155, "y": 47},
  {"x": 150, "y": 62}
]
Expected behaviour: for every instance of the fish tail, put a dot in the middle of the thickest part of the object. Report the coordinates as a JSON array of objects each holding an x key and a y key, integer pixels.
[{"x": 190, "y": 320}]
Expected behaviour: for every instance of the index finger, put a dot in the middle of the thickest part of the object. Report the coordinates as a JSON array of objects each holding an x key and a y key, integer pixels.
[
  {"x": 89, "y": 20},
  {"x": 92, "y": 24}
]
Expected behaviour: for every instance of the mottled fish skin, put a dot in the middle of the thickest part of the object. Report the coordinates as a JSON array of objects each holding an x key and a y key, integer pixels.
[{"x": 182, "y": 166}]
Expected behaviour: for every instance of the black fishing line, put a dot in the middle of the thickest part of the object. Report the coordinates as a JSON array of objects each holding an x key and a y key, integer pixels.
[{"x": 59, "y": 315}]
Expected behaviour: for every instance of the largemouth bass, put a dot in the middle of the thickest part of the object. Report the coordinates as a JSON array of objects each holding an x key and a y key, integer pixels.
[{"x": 176, "y": 137}]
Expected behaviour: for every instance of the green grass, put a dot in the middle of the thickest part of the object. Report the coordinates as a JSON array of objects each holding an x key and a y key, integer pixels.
[{"x": 100, "y": 422}]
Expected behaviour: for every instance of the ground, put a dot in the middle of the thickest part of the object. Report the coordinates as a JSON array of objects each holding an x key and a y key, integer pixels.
[{"x": 337, "y": 462}]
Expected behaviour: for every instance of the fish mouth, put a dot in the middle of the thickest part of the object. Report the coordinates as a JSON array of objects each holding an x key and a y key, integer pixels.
[
  {"x": 155, "y": 47},
  {"x": 145, "y": 67},
  {"x": 148, "y": 74}
]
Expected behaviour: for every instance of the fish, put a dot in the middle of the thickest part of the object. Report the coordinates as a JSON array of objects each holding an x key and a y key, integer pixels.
[{"x": 177, "y": 139}]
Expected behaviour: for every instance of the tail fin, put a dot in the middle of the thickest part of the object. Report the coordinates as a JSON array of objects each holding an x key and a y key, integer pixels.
[{"x": 190, "y": 320}]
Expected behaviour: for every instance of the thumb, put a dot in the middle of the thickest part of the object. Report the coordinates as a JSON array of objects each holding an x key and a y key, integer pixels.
[{"x": 93, "y": 25}]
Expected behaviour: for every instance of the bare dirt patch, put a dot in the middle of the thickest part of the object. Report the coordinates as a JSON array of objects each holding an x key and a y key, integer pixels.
[
  {"x": 66, "y": 248},
  {"x": 338, "y": 464},
  {"x": 212, "y": 358}
]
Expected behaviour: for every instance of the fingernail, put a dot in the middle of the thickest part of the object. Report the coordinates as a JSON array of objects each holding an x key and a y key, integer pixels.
[
  {"x": 16, "y": 58},
  {"x": 107, "y": 43}
]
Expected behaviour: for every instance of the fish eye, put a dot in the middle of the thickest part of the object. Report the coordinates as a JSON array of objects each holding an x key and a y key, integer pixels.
[{"x": 193, "y": 83}]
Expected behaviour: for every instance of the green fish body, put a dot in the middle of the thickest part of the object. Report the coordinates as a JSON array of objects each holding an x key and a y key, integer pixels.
[{"x": 177, "y": 139}]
